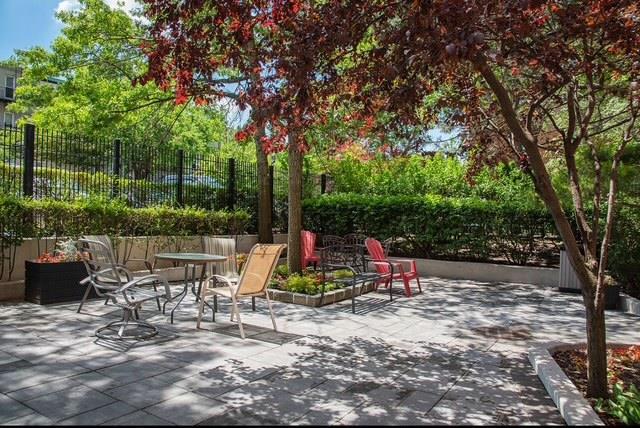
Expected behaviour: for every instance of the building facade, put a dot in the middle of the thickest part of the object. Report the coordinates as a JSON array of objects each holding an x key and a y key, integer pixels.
[{"x": 8, "y": 79}]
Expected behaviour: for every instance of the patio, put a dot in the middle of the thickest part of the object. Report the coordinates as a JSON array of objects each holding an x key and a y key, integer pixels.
[{"x": 453, "y": 355}]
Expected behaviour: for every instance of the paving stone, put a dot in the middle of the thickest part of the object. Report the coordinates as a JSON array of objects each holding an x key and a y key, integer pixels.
[
  {"x": 139, "y": 418},
  {"x": 69, "y": 402},
  {"x": 132, "y": 371},
  {"x": 383, "y": 415},
  {"x": 42, "y": 389},
  {"x": 145, "y": 392},
  {"x": 100, "y": 415},
  {"x": 32, "y": 418},
  {"x": 11, "y": 409},
  {"x": 187, "y": 409},
  {"x": 388, "y": 363}
]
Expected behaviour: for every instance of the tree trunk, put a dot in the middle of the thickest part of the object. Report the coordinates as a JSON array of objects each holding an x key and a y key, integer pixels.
[
  {"x": 294, "y": 256},
  {"x": 596, "y": 334},
  {"x": 265, "y": 232},
  {"x": 596, "y": 351}
]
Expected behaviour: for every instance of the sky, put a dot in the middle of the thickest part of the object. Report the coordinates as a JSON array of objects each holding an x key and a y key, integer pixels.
[{"x": 27, "y": 23}]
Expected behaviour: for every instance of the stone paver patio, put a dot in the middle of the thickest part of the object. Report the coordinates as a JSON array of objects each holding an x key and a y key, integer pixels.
[{"x": 453, "y": 355}]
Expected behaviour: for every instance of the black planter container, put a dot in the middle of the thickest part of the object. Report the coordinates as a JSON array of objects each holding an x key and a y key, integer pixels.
[{"x": 54, "y": 282}]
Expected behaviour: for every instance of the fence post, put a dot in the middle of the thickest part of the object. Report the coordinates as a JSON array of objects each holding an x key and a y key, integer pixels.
[
  {"x": 28, "y": 159},
  {"x": 231, "y": 184},
  {"x": 271, "y": 192},
  {"x": 323, "y": 184},
  {"x": 180, "y": 183},
  {"x": 117, "y": 168}
]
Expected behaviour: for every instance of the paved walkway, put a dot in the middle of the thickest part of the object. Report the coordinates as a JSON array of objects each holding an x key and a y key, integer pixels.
[{"x": 453, "y": 355}]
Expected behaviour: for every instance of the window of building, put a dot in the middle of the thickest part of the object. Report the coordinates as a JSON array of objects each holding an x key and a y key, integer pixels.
[
  {"x": 9, "y": 87},
  {"x": 8, "y": 119}
]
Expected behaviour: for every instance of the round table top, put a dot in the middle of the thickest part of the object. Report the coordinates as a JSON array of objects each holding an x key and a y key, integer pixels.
[{"x": 191, "y": 257}]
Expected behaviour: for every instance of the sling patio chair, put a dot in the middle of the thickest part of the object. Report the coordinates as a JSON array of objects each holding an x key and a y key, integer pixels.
[
  {"x": 108, "y": 279},
  {"x": 253, "y": 282},
  {"x": 109, "y": 256},
  {"x": 382, "y": 265},
  {"x": 229, "y": 268}
]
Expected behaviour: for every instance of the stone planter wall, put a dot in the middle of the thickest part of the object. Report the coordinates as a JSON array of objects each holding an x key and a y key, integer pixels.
[{"x": 314, "y": 301}]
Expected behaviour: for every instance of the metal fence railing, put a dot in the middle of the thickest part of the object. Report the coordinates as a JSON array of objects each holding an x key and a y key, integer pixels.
[{"x": 43, "y": 164}]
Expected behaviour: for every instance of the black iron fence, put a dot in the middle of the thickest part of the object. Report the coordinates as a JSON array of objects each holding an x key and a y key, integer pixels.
[{"x": 43, "y": 164}]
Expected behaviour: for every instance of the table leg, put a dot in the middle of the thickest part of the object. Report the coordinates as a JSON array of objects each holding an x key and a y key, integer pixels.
[
  {"x": 193, "y": 288},
  {"x": 184, "y": 292}
]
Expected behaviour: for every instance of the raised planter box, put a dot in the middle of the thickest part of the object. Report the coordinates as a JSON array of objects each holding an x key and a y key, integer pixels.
[
  {"x": 574, "y": 408},
  {"x": 47, "y": 283},
  {"x": 314, "y": 301}
]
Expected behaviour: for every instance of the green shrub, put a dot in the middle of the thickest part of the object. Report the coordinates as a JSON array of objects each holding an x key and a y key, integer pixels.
[
  {"x": 624, "y": 404},
  {"x": 435, "y": 226},
  {"x": 342, "y": 274},
  {"x": 302, "y": 284}
]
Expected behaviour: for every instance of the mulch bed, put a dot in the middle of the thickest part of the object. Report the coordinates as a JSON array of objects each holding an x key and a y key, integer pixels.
[{"x": 624, "y": 366}]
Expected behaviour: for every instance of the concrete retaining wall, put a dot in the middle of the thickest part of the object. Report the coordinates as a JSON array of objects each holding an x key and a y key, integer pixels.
[{"x": 488, "y": 272}]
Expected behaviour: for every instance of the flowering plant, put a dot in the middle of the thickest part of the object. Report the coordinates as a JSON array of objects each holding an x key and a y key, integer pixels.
[{"x": 65, "y": 251}]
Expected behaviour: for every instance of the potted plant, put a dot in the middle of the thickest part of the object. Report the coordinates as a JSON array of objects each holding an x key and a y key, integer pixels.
[{"x": 54, "y": 277}]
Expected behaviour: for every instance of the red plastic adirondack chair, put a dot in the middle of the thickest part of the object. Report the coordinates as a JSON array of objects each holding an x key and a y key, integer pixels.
[
  {"x": 376, "y": 252},
  {"x": 309, "y": 254}
]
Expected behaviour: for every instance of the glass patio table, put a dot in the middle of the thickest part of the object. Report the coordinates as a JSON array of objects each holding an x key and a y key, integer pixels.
[{"x": 190, "y": 261}]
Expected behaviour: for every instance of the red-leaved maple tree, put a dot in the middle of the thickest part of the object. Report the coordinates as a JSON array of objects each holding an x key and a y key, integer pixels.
[{"x": 534, "y": 76}]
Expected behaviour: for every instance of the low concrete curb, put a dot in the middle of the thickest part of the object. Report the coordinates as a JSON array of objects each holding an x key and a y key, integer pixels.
[
  {"x": 574, "y": 408},
  {"x": 629, "y": 304}
]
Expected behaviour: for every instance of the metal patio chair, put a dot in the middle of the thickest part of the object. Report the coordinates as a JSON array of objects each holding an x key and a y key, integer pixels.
[
  {"x": 114, "y": 282},
  {"x": 253, "y": 282},
  {"x": 126, "y": 273},
  {"x": 351, "y": 258}
]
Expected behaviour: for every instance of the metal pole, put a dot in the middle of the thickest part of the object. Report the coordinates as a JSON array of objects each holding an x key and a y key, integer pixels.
[{"x": 28, "y": 159}]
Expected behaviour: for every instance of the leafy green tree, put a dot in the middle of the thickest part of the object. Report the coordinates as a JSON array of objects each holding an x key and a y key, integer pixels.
[{"x": 86, "y": 83}]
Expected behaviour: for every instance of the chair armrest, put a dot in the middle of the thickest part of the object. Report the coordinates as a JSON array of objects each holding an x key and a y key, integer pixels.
[
  {"x": 379, "y": 262},
  {"x": 140, "y": 280},
  {"x": 411, "y": 263}
]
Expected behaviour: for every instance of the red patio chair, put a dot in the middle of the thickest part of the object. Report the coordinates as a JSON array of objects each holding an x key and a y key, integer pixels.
[
  {"x": 376, "y": 252},
  {"x": 309, "y": 254}
]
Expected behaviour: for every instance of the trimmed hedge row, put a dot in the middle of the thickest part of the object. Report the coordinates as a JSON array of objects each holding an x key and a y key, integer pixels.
[
  {"x": 439, "y": 227},
  {"x": 21, "y": 218}
]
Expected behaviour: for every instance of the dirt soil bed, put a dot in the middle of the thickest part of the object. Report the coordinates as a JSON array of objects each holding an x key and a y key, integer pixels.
[{"x": 624, "y": 366}]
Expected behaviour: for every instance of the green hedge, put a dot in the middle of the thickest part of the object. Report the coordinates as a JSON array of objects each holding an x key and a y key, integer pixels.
[
  {"x": 21, "y": 218},
  {"x": 440, "y": 227},
  {"x": 624, "y": 257}
]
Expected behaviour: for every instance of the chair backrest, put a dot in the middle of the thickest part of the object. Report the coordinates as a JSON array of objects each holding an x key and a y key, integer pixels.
[
  {"x": 105, "y": 240},
  {"x": 354, "y": 239},
  {"x": 376, "y": 252},
  {"x": 101, "y": 266},
  {"x": 222, "y": 247},
  {"x": 332, "y": 241},
  {"x": 259, "y": 268},
  {"x": 308, "y": 240}
]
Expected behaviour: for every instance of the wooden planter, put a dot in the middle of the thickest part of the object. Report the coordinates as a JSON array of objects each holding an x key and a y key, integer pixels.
[{"x": 54, "y": 282}]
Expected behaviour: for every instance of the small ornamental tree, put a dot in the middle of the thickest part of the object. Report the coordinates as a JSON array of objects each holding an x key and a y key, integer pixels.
[
  {"x": 534, "y": 75},
  {"x": 193, "y": 43}
]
